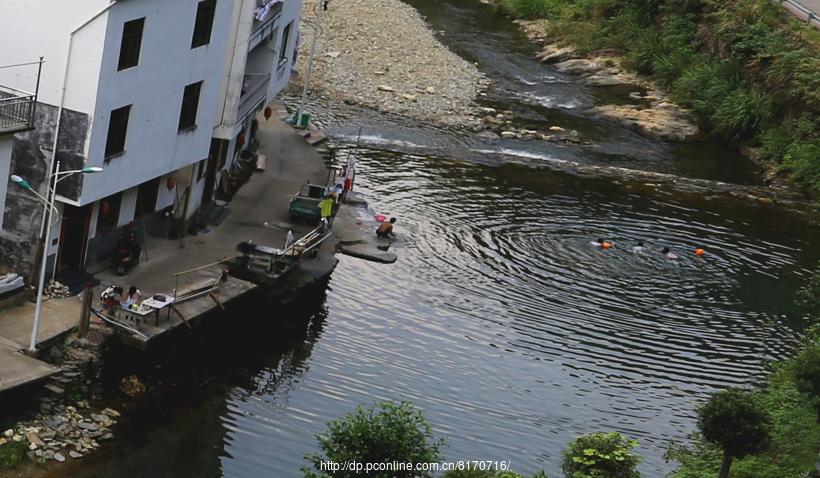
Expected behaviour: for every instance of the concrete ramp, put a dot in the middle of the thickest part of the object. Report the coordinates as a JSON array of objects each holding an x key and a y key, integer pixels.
[{"x": 17, "y": 369}]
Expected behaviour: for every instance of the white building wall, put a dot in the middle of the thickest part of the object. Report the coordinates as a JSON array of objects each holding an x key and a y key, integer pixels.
[
  {"x": 32, "y": 28},
  {"x": 154, "y": 88}
]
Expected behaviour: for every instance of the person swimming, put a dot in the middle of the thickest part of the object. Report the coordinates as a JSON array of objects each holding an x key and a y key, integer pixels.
[
  {"x": 668, "y": 253},
  {"x": 603, "y": 244},
  {"x": 639, "y": 248}
]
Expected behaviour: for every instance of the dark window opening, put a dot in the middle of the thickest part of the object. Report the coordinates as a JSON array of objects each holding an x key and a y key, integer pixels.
[
  {"x": 131, "y": 43},
  {"x": 190, "y": 104},
  {"x": 283, "y": 49},
  {"x": 147, "y": 193},
  {"x": 200, "y": 170},
  {"x": 109, "y": 213},
  {"x": 117, "y": 128},
  {"x": 204, "y": 23}
]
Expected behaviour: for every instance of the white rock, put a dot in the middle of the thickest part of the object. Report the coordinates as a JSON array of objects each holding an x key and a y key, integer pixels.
[
  {"x": 385, "y": 88},
  {"x": 9, "y": 433},
  {"x": 557, "y": 129},
  {"x": 74, "y": 454},
  {"x": 409, "y": 97},
  {"x": 59, "y": 457},
  {"x": 508, "y": 134},
  {"x": 430, "y": 90}
]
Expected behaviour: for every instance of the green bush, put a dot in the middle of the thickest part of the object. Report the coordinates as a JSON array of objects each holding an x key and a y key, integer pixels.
[
  {"x": 12, "y": 453},
  {"x": 806, "y": 370},
  {"x": 735, "y": 421},
  {"x": 383, "y": 433},
  {"x": 488, "y": 474},
  {"x": 601, "y": 455}
]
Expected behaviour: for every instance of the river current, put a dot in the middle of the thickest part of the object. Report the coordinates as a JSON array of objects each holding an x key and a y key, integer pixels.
[{"x": 500, "y": 321}]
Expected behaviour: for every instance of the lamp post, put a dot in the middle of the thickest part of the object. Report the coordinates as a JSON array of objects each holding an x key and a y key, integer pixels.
[
  {"x": 316, "y": 27},
  {"x": 48, "y": 212}
]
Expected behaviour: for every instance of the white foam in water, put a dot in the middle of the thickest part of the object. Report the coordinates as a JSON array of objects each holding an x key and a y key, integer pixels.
[
  {"x": 372, "y": 139},
  {"x": 521, "y": 154},
  {"x": 526, "y": 81},
  {"x": 550, "y": 102}
]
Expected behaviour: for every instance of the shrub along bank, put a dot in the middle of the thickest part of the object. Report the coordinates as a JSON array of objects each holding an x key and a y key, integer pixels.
[{"x": 749, "y": 71}]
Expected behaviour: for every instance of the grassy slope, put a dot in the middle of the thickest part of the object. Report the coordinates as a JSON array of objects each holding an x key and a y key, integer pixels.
[{"x": 748, "y": 70}]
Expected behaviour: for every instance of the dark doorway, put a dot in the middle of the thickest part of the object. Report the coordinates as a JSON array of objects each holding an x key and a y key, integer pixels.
[
  {"x": 73, "y": 238},
  {"x": 215, "y": 156},
  {"x": 146, "y": 198}
]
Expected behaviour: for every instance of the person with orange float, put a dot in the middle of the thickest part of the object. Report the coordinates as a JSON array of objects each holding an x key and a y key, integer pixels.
[{"x": 600, "y": 242}]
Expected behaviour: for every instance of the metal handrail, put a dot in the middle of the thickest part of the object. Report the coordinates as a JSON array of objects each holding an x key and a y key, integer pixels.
[
  {"x": 259, "y": 31},
  {"x": 812, "y": 17}
]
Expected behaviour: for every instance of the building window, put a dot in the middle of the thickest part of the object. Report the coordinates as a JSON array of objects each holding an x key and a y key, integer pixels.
[
  {"x": 204, "y": 23},
  {"x": 131, "y": 43},
  {"x": 190, "y": 104},
  {"x": 200, "y": 170},
  {"x": 117, "y": 127},
  {"x": 283, "y": 49}
]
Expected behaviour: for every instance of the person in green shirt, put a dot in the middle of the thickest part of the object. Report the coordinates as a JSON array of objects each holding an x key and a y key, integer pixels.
[{"x": 326, "y": 210}]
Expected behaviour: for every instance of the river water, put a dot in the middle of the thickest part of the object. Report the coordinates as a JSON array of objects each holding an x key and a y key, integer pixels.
[{"x": 500, "y": 321}]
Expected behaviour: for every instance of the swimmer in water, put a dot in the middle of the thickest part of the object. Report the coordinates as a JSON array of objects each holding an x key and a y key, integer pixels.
[
  {"x": 639, "y": 249},
  {"x": 600, "y": 242},
  {"x": 668, "y": 253}
]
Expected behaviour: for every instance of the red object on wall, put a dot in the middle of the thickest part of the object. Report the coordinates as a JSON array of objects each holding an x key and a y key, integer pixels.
[
  {"x": 268, "y": 113},
  {"x": 170, "y": 183},
  {"x": 241, "y": 139}
]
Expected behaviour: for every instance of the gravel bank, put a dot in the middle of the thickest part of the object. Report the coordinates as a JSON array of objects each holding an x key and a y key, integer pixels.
[{"x": 381, "y": 54}]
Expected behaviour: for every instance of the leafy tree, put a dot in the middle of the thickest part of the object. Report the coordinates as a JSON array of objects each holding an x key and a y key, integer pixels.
[
  {"x": 488, "y": 474},
  {"x": 735, "y": 421},
  {"x": 382, "y": 433},
  {"x": 807, "y": 375},
  {"x": 601, "y": 455}
]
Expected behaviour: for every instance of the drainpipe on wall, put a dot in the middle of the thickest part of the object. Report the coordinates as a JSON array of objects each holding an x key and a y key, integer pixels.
[{"x": 41, "y": 243}]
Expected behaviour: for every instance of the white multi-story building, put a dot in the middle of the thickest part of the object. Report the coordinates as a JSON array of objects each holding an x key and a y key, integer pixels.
[{"x": 159, "y": 93}]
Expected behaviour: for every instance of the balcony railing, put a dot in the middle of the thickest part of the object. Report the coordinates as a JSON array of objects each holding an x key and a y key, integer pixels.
[
  {"x": 254, "y": 92},
  {"x": 16, "y": 110},
  {"x": 263, "y": 29}
]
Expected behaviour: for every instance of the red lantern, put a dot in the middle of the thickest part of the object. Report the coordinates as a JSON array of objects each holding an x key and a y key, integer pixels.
[
  {"x": 170, "y": 183},
  {"x": 241, "y": 139}
]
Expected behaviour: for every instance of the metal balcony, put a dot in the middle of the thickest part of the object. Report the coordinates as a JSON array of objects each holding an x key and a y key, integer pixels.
[
  {"x": 16, "y": 110},
  {"x": 262, "y": 30}
]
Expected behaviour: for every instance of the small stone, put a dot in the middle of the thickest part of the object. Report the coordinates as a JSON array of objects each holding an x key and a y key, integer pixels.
[
  {"x": 334, "y": 54},
  {"x": 557, "y": 129},
  {"x": 385, "y": 88},
  {"x": 59, "y": 457},
  {"x": 107, "y": 436},
  {"x": 88, "y": 426},
  {"x": 54, "y": 389},
  {"x": 34, "y": 439},
  {"x": 379, "y": 72},
  {"x": 9, "y": 433},
  {"x": 32, "y": 446},
  {"x": 487, "y": 111},
  {"x": 430, "y": 90},
  {"x": 74, "y": 454},
  {"x": 17, "y": 438},
  {"x": 409, "y": 97},
  {"x": 111, "y": 412},
  {"x": 508, "y": 134}
]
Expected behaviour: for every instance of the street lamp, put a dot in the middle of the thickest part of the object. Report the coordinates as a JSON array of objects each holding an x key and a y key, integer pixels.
[
  {"x": 48, "y": 212},
  {"x": 316, "y": 27}
]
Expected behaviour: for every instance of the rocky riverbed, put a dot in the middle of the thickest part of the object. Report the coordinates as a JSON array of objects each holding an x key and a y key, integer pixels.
[
  {"x": 381, "y": 54},
  {"x": 660, "y": 118}
]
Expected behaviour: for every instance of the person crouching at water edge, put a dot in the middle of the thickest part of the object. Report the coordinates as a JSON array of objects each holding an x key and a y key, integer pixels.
[{"x": 385, "y": 229}]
